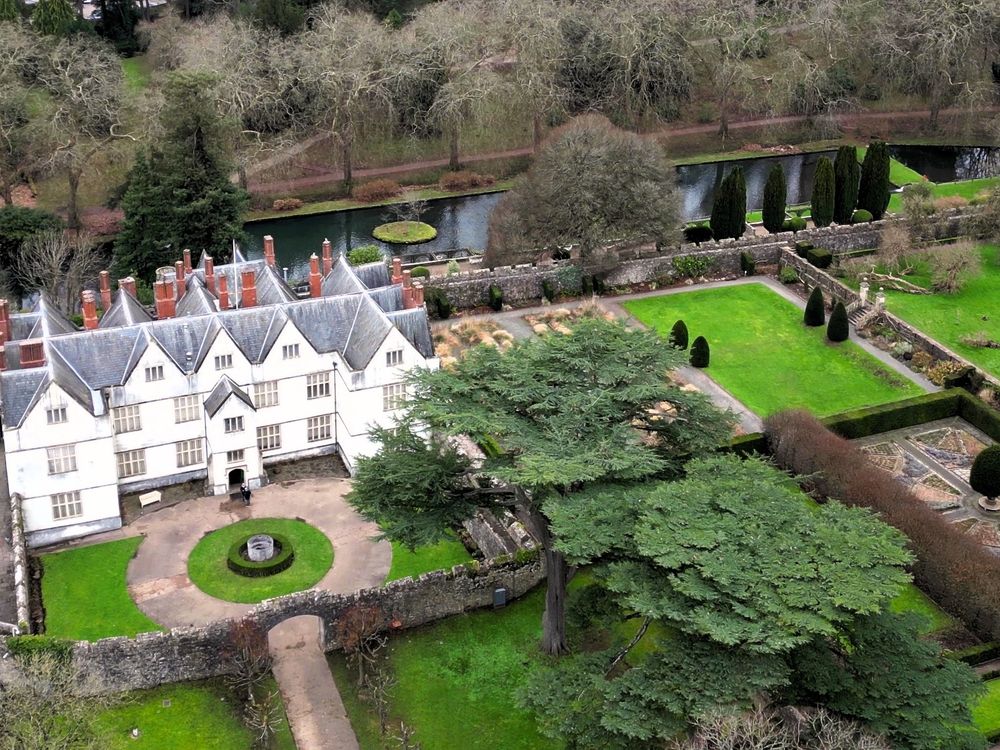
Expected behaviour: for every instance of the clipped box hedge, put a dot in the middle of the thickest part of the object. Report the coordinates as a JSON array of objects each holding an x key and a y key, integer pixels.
[
  {"x": 280, "y": 562},
  {"x": 978, "y": 654},
  {"x": 819, "y": 257}
]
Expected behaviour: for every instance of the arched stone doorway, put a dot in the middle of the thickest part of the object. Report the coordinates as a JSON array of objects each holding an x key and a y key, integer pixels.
[{"x": 236, "y": 478}]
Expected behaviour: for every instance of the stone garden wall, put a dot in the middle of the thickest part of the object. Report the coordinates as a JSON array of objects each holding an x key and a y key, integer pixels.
[
  {"x": 20, "y": 562},
  {"x": 150, "y": 659}
]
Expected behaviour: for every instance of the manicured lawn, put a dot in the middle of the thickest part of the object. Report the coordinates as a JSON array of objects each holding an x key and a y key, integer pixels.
[
  {"x": 912, "y": 599},
  {"x": 85, "y": 594},
  {"x": 967, "y": 189},
  {"x": 899, "y": 173},
  {"x": 457, "y": 680},
  {"x": 187, "y": 716},
  {"x": 764, "y": 356},
  {"x": 136, "y": 70},
  {"x": 950, "y": 317},
  {"x": 441, "y": 556},
  {"x": 209, "y": 572},
  {"x": 986, "y": 712}
]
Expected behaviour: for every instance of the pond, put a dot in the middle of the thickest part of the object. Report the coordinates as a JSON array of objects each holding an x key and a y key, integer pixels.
[{"x": 950, "y": 163}]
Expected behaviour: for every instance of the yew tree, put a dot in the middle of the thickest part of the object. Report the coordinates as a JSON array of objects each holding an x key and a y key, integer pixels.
[{"x": 555, "y": 414}]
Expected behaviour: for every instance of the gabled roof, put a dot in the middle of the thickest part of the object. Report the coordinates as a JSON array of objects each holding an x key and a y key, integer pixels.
[
  {"x": 373, "y": 275},
  {"x": 251, "y": 330},
  {"x": 21, "y": 390},
  {"x": 183, "y": 339},
  {"x": 389, "y": 298},
  {"x": 341, "y": 280},
  {"x": 221, "y": 393},
  {"x": 272, "y": 288},
  {"x": 45, "y": 319},
  {"x": 325, "y": 321},
  {"x": 368, "y": 331},
  {"x": 101, "y": 357},
  {"x": 197, "y": 300},
  {"x": 125, "y": 310},
  {"x": 415, "y": 326},
  {"x": 70, "y": 380}
]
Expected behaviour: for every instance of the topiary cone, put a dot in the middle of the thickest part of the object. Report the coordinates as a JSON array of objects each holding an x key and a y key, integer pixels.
[
  {"x": 838, "y": 329},
  {"x": 815, "y": 314},
  {"x": 985, "y": 475},
  {"x": 699, "y": 352},
  {"x": 679, "y": 335}
]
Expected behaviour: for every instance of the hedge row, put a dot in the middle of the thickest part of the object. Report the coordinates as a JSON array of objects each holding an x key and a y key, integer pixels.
[
  {"x": 955, "y": 570},
  {"x": 978, "y": 654},
  {"x": 280, "y": 562}
]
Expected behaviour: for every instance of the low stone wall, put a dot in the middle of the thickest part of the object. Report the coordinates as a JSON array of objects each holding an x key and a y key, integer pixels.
[
  {"x": 813, "y": 277},
  {"x": 181, "y": 654},
  {"x": 20, "y": 566}
]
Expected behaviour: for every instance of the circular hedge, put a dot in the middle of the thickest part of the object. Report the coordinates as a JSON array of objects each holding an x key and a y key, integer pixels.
[
  {"x": 404, "y": 232},
  {"x": 208, "y": 563},
  {"x": 240, "y": 565}
]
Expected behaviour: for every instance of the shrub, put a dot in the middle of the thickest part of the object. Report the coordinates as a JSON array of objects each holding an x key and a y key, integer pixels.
[
  {"x": 420, "y": 272},
  {"x": 286, "y": 204},
  {"x": 597, "y": 284},
  {"x": 692, "y": 266},
  {"x": 496, "y": 297},
  {"x": 438, "y": 303},
  {"x": 873, "y": 191},
  {"x": 985, "y": 475},
  {"x": 548, "y": 290},
  {"x": 27, "y": 646},
  {"x": 948, "y": 202},
  {"x": 679, "y": 335},
  {"x": 815, "y": 314},
  {"x": 452, "y": 267},
  {"x": 838, "y": 329},
  {"x": 788, "y": 275},
  {"x": 978, "y": 654},
  {"x": 365, "y": 254},
  {"x": 729, "y": 207},
  {"x": 699, "y": 352},
  {"x": 282, "y": 560},
  {"x": 860, "y": 216},
  {"x": 775, "y": 195},
  {"x": 802, "y": 247},
  {"x": 698, "y": 233},
  {"x": 376, "y": 190},
  {"x": 819, "y": 257},
  {"x": 464, "y": 180},
  {"x": 794, "y": 224},
  {"x": 955, "y": 569},
  {"x": 847, "y": 177},
  {"x": 870, "y": 420},
  {"x": 823, "y": 193},
  {"x": 747, "y": 264}
]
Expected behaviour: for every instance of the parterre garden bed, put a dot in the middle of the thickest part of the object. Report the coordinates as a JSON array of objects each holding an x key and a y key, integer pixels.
[{"x": 764, "y": 356}]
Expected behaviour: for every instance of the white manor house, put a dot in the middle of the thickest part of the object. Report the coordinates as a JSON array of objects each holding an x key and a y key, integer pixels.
[{"x": 234, "y": 373}]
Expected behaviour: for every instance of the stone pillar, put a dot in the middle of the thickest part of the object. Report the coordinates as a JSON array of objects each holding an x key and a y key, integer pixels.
[
  {"x": 863, "y": 291},
  {"x": 880, "y": 299}
]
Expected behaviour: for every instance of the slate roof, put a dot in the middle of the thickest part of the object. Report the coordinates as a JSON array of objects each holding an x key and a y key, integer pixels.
[
  {"x": 372, "y": 275},
  {"x": 21, "y": 389},
  {"x": 221, "y": 393},
  {"x": 125, "y": 310},
  {"x": 197, "y": 300},
  {"x": 415, "y": 326}
]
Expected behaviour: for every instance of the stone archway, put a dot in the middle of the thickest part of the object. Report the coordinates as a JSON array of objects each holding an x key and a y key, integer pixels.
[
  {"x": 315, "y": 711},
  {"x": 236, "y": 478}
]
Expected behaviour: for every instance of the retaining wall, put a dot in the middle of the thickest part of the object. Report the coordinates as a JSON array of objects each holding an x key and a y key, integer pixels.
[{"x": 20, "y": 566}]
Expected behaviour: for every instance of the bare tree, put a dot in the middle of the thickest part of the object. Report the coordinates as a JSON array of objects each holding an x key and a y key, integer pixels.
[
  {"x": 59, "y": 265},
  {"x": 47, "y": 704},
  {"x": 361, "y": 635},
  {"x": 953, "y": 265},
  {"x": 262, "y": 715},
  {"x": 249, "y": 657}
]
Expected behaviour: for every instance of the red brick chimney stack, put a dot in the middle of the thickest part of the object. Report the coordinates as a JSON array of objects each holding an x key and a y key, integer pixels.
[
  {"x": 249, "y": 288},
  {"x": 210, "y": 273},
  {"x": 187, "y": 261},
  {"x": 127, "y": 285},
  {"x": 327, "y": 257},
  {"x": 5, "y": 334},
  {"x": 269, "y": 250},
  {"x": 223, "y": 293},
  {"x": 32, "y": 354},
  {"x": 3, "y": 359},
  {"x": 105, "y": 280},
  {"x": 407, "y": 290},
  {"x": 397, "y": 270},
  {"x": 314, "y": 277},
  {"x": 418, "y": 295},
  {"x": 89, "y": 303},
  {"x": 179, "y": 278},
  {"x": 166, "y": 303}
]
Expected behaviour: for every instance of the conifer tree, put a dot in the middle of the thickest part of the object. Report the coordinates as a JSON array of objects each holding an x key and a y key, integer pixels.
[
  {"x": 700, "y": 352},
  {"x": 847, "y": 176},
  {"x": 10, "y": 10},
  {"x": 53, "y": 17},
  {"x": 822, "y": 193},
  {"x": 837, "y": 329},
  {"x": 679, "y": 335},
  {"x": 815, "y": 314},
  {"x": 775, "y": 195},
  {"x": 873, "y": 191},
  {"x": 729, "y": 209}
]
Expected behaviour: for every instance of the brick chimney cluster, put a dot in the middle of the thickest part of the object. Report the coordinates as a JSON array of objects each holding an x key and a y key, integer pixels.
[
  {"x": 315, "y": 286},
  {"x": 327, "y": 257},
  {"x": 5, "y": 334},
  {"x": 32, "y": 354},
  {"x": 166, "y": 302},
  {"x": 89, "y": 304},
  {"x": 105, "y": 279},
  {"x": 223, "y": 292},
  {"x": 249, "y": 281},
  {"x": 269, "y": 250}
]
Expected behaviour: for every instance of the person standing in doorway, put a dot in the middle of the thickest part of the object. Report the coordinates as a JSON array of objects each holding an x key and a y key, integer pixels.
[{"x": 245, "y": 491}]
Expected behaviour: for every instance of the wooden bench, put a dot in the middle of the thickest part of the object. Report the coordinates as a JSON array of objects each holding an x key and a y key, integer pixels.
[{"x": 148, "y": 498}]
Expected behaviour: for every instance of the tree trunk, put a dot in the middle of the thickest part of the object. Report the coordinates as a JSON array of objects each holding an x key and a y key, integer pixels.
[
  {"x": 72, "y": 212},
  {"x": 244, "y": 180},
  {"x": 453, "y": 160},
  {"x": 346, "y": 145},
  {"x": 723, "y": 117},
  {"x": 556, "y": 578},
  {"x": 8, "y": 193},
  {"x": 536, "y": 132}
]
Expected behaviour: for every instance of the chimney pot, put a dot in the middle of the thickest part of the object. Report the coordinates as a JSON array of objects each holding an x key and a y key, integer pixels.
[
  {"x": 210, "y": 273},
  {"x": 327, "y": 257},
  {"x": 187, "y": 260},
  {"x": 127, "y": 285},
  {"x": 397, "y": 270},
  {"x": 105, "y": 281},
  {"x": 32, "y": 354},
  {"x": 406, "y": 279},
  {"x": 89, "y": 304},
  {"x": 315, "y": 287},
  {"x": 179, "y": 278},
  {"x": 5, "y": 334},
  {"x": 249, "y": 287},
  {"x": 418, "y": 295},
  {"x": 269, "y": 250},
  {"x": 223, "y": 292}
]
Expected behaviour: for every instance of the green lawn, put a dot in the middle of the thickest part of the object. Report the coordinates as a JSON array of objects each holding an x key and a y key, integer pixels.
[
  {"x": 986, "y": 712},
  {"x": 764, "y": 356},
  {"x": 137, "y": 73},
  {"x": 441, "y": 556},
  {"x": 912, "y": 599},
  {"x": 949, "y": 317},
  {"x": 967, "y": 189},
  {"x": 899, "y": 173},
  {"x": 209, "y": 572},
  {"x": 457, "y": 679},
  {"x": 85, "y": 594},
  {"x": 186, "y": 716}
]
